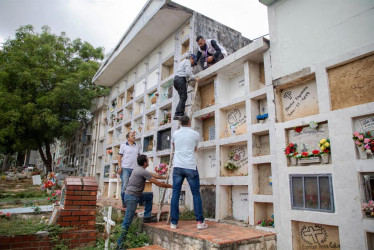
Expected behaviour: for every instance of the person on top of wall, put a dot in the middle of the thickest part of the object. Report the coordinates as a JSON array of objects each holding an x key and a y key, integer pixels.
[
  {"x": 134, "y": 195},
  {"x": 185, "y": 143},
  {"x": 210, "y": 50},
  {"x": 127, "y": 155},
  {"x": 180, "y": 83}
]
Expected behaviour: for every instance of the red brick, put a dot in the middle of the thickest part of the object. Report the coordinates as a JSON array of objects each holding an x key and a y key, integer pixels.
[
  {"x": 87, "y": 240},
  {"x": 93, "y": 193},
  {"x": 85, "y": 203},
  {"x": 67, "y": 202},
  {"x": 21, "y": 245},
  {"x": 72, "y": 207},
  {"x": 70, "y": 192},
  {"x": 71, "y": 218},
  {"x": 87, "y": 218},
  {"x": 74, "y": 197},
  {"x": 64, "y": 213},
  {"x": 88, "y": 198},
  {"x": 79, "y": 223},
  {"x": 64, "y": 224},
  {"x": 88, "y": 207},
  {"x": 44, "y": 243},
  {"x": 24, "y": 238},
  {"x": 74, "y": 241},
  {"x": 5, "y": 246},
  {"x": 72, "y": 246},
  {"x": 91, "y": 222},
  {"x": 92, "y": 234},
  {"x": 80, "y": 212},
  {"x": 90, "y": 188},
  {"x": 81, "y": 192},
  {"x": 47, "y": 248},
  {"x": 74, "y": 188}
]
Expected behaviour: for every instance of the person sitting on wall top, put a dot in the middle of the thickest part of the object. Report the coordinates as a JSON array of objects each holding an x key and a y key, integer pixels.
[
  {"x": 180, "y": 83},
  {"x": 210, "y": 52}
]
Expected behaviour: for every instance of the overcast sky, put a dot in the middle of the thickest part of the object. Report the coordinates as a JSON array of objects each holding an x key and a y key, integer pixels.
[{"x": 103, "y": 22}]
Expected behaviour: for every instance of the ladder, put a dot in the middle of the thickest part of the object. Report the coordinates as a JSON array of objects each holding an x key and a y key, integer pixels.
[{"x": 172, "y": 157}]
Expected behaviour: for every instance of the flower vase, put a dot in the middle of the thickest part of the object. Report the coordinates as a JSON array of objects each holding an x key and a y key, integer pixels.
[
  {"x": 261, "y": 121},
  {"x": 293, "y": 161},
  {"x": 325, "y": 158},
  {"x": 363, "y": 154}
]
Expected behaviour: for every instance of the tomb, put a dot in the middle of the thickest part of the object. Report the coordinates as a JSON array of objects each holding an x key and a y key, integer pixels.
[
  {"x": 208, "y": 197},
  {"x": 115, "y": 153},
  {"x": 106, "y": 171},
  {"x": 263, "y": 211},
  {"x": 256, "y": 76},
  {"x": 148, "y": 144},
  {"x": 186, "y": 30},
  {"x": 150, "y": 121},
  {"x": 260, "y": 144},
  {"x": 139, "y": 88},
  {"x": 137, "y": 125},
  {"x": 185, "y": 46},
  {"x": 138, "y": 106},
  {"x": 205, "y": 96},
  {"x": 352, "y": 83},
  {"x": 117, "y": 135},
  {"x": 121, "y": 100},
  {"x": 234, "y": 159},
  {"x": 167, "y": 68},
  {"x": 130, "y": 94},
  {"x": 152, "y": 79},
  {"x": 370, "y": 240},
  {"x": 110, "y": 138},
  {"x": 164, "y": 139},
  {"x": 166, "y": 91},
  {"x": 314, "y": 236},
  {"x": 164, "y": 115},
  {"x": 206, "y": 162},
  {"x": 234, "y": 203},
  {"x": 259, "y": 110},
  {"x": 129, "y": 111},
  {"x": 262, "y": 179},
  {"x": 230, "y": 86},
  {"x": 363, "y": 136},
  {"x": 126, "y": 130},
  {"x": 119, "y": 117},
  {"x": 152, "y": 99},
  {"x": 297, "y": 101},
  {"x": 206, "y": 127},
  {"x": 234, "y": 120}
]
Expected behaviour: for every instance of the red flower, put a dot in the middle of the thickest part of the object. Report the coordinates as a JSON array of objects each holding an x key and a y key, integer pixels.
[
  {"x": 291, "y": 145},
  {"x": 49, "y": 198},
  {"x": 315, "y": 152},
  {"x": 53, "y": 194},
  {"x": 298, "y": 129},
  {"x": 304, "y": 153}
]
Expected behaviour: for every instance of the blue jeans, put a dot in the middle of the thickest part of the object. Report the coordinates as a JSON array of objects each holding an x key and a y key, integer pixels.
[
  {"x": 194, "y": 181},
  {"x": 131, "y": 205},
  {"x": 125, "y": 176}
]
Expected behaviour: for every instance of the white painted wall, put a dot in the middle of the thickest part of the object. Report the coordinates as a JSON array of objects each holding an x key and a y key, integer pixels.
[{"x": 306, "y": 32}]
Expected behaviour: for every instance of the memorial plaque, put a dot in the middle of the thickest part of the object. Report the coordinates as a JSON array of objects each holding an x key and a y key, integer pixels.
[
  {"x": 240, "y": 205},
  {"x": 36, "y": 180},
  {"x": 352, "y": 84},
  {"x": 299, "y": 101},
  {"x": 364, "y": 124},
  {"x": 314, "y": 236},
  {"x": 235, "y": 121},
  {"x": 307, "y": 140}
]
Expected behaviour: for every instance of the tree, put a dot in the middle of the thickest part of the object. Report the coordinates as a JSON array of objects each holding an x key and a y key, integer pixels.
[{"x": 45, "y": 88}]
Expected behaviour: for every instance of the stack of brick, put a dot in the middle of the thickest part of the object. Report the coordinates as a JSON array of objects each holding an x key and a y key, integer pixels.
[{"x": 79, "y": 206}]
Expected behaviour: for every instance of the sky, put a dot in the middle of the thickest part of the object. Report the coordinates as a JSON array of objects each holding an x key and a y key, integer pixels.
[{"x": 103, "y": 22}]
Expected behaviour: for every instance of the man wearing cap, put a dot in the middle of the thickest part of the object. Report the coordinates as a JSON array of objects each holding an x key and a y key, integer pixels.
[
  {"x": 210, "y": 50},
  {"x": 180, "y": 83}
]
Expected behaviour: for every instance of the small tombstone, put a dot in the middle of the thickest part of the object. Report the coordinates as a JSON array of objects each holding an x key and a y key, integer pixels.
[{"x": 36, "y": 180}]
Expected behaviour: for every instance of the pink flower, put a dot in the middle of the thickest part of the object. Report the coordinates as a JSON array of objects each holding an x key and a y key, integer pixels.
[
  {"x": 1, "y": 213},
  {"x": 49, "y": 198},
  {"x": 8, "y": 214},
  {"x": 356, "y": 134},
  {"x": 360, "y": 137},
  {"x": 58, "y": 192},
  {"x": 367, "y": 146},
  {"x": 358, "y": 143},
  {"x": 366, "y": 140}
]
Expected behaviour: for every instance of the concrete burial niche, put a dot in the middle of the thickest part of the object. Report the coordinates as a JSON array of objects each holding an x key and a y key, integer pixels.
[
  {"x": 297, "y": 101},
  {"x": 206, "y": 126},
  {"x": 152, "y": 99},
  {"x": 256, "y": 76},
  {"x": 138, "y": 126},
  {"x": 167, "y": 68},
  {"x": 121, "y": 100},
  {"x": 152, "y": 79},
  {"x": 110, "y": 138},
  {"x": 164, "y": 139},
  {"x": 166, "y": 91},
  {"x": 164, "y": 115},
  {"x": 230, "y": 86},
  {"x": 130, "y": 94},
  {"x": 129, "y": 111},
  {"x": 363, "y": 124},
  {"x": 236, "y": 154},
  {"x": 148, "y": 144},
  {"x": 352, "y": 83},
  {"x": 262, "y": 179},
  {"x": 208, "y": 197},
  {"x": 234, "y": 203},
  {"x": 139, "y": 88},
  {"x": 126, "y": 129},
  {"x": 259, "y": 109},
  {"x": 205, "y": 96},
  {"x": 234, "y": 120},
  {"x": 263, "y": 211},
  {"x": 260, "y": 144},
  {"x": 185, "y": 46},
  {"x": 206, "y": 163},
  {"x": 314, "y": 236},
  {"x": 138, "y": 106},
  {"x": 150, "y": 121}
]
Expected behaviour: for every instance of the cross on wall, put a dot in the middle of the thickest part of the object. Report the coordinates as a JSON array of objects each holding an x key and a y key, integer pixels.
[{"x": 313, "y": 233}]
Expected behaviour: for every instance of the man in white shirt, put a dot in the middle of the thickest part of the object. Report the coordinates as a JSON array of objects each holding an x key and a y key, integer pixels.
[
  {"x": 185, "y": 144},
  {"x": 183, "y": 74},
  {"x": 210, "y": 52},
  {"x": 128, "y": 154}
]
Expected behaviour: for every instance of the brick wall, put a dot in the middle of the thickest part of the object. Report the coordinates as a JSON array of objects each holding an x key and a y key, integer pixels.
[{"x": 41, "y": 241}]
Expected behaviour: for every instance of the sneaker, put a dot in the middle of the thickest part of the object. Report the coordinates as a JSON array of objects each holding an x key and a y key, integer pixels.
[
  {"x": 172, "y": 226},
  {"x": 149, "y": 220},
  {"x": 202, "y": 225}
]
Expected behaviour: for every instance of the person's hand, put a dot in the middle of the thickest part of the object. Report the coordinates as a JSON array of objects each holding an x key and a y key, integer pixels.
[
  {"x": 119, "y": 170},
  {"x": 209, "y": 59},
  {"x": 197, "y": 79}
]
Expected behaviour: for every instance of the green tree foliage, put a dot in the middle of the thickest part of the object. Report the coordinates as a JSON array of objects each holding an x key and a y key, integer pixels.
[{"x": 45, "y": 88}]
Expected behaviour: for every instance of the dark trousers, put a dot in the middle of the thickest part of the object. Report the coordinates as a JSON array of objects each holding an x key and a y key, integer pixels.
[
  {"x": 180, "y": 84},
  {"x": 215, "y": 60}
]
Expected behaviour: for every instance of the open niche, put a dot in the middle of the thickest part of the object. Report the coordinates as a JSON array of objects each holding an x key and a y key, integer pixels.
[
  {"x": 230, "y": 86},
  {"x": 185, "y": 46},
  {"x": 166, "y": 91},
  {"x": 234, "y": 203},
  {"x": 152, "y": 99},
  {"x": 167, "y": 68},
  {"x": 206, "y": 126},
  {"x": 164, "y": 115},
  {"x": 138, "y": 106},
  {"x": 205, "y": 96},
  {"x": 164, "y": 139},
  {"x": 150, "y": 120},
  {"x": 148, "y": 144},
  {"x": 259, "y": 110},
  {"x": 234, "y": 159},
  {"x": 138, "y": 126},
  {"x": 234, "y": 120},
  {"x": 263, "y": 211},
  {"x": 260, "y": 144},
  {"x": 130, "y": 94},
  {"x": 126, "y": 130},
  {"x": 256, "y": 76}
]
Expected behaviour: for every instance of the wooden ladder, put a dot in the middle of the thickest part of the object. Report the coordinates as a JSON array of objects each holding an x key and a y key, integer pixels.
[{"x": 172, "y": 157}]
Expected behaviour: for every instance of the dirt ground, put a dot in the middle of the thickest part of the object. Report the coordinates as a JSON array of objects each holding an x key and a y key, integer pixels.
[{"x": 17, "y": 186}]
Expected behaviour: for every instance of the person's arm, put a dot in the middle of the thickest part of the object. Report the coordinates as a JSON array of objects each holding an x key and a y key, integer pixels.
[
  {"x": 120, "y": 154},
  {"x": 217, "y": 48},
  {"x": 188, "y": 70},
  {"x": 159, "y": 183},
  {"x": 157, "y": 176},
  {"x": 198, "y": 55}
]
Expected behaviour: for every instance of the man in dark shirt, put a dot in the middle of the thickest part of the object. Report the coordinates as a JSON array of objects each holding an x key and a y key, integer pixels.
[
  {"x": 134, "y": 194},
  {"x": 210, "y": 50}
]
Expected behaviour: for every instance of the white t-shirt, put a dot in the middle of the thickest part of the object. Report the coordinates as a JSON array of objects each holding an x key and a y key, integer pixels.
[
  {"x": 185, "y": 140},
  {"x": 129, "y": 155}
]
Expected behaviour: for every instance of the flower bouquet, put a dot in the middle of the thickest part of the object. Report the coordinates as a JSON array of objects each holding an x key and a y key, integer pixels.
[
  {"x": 161, "y": 169},
  {"x": 368, "y": 208},
  {"x": 55, "y": 197},
  {"x": 364, "y": 143},
  {"x": 291, "y": 153},
  {"x": 324, "y": 145}
]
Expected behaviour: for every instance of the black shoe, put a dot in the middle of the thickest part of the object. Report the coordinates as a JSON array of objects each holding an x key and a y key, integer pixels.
[
  {"x": 149, "y": 220},
  {"x": 176, "y": 117}
]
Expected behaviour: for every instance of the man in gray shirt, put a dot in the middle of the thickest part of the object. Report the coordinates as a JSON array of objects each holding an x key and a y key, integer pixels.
[
  {"x": 180, "y": 83},
  {"x": 134, "y": 195}
]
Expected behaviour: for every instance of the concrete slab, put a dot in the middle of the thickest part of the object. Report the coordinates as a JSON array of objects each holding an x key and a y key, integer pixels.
[{"x": 26, "y": 210}]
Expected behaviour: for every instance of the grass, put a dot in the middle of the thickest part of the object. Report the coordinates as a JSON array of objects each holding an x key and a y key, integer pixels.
[
  {"x": 19, "y": 226},
  {"x": 6, "y": 196}
]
